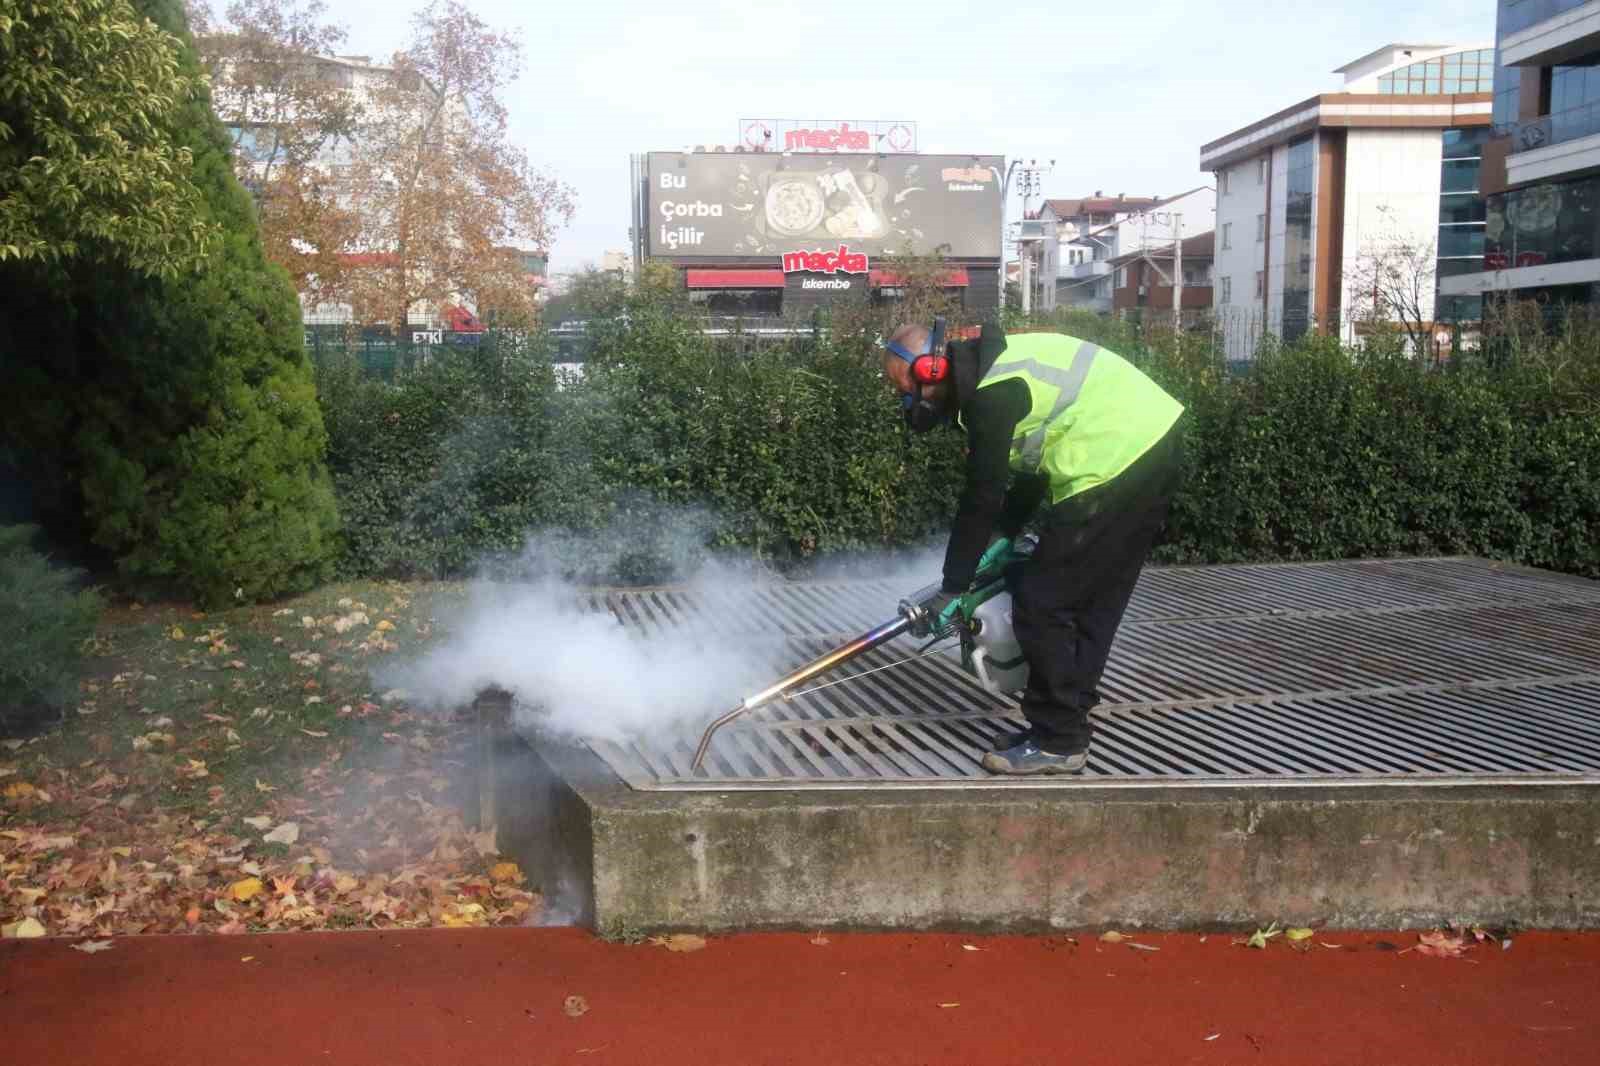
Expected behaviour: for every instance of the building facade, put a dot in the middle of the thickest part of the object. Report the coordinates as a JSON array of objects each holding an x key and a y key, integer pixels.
[
  {"x": 1085, "y": 234},
  {"x": 1142, "y": 280},
  {"x": 1320, "y": 205},
  {"x": 781, "y": 234},
  {"x": 1541, "y": 162}
]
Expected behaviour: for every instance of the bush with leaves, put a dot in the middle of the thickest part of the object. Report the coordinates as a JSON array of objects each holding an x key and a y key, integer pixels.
[
  {"x": 455, "y": 462},
  {"x": 170, "y": 421},
  {"x": 675, "y": 442},
  {"x": 51, "y": 619}
]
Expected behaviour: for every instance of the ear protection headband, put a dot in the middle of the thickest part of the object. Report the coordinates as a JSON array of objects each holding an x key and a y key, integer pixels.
[
  {"x": 931, "y": 365},
  {"x": 928, "y": 367}
]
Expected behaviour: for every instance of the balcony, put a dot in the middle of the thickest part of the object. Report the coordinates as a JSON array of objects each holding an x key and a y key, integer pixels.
[
  {"x": 1080, "y": 271},
  {"x": 1563, "y": 30},
  {"x": 1554, "y": 145}
]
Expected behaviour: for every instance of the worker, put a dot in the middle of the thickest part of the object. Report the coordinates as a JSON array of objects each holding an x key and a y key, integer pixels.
[{"x": 1057, "y": 420}]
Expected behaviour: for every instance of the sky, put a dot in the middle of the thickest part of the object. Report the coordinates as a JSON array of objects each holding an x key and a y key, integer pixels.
[{"x": 1120, "y": 97}]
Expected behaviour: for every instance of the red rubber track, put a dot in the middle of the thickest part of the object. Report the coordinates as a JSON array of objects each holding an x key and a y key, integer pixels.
[{"x": 492, "y": 996}]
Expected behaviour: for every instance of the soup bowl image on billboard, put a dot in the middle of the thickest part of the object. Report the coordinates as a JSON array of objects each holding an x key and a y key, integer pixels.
[{"x": 729, "y": 204}]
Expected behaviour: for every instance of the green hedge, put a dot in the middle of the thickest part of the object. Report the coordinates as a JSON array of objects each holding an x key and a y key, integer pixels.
[
  {"x": 672, "y": 444},
  {"x": 50, "y": 619}
]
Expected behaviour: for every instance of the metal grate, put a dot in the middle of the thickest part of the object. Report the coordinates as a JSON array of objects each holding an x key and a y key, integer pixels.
[{"x": 1434, "y": 671}]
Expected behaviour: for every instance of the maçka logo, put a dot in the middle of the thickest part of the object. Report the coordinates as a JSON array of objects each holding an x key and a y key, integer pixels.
[{"x": 843, "y": 261}]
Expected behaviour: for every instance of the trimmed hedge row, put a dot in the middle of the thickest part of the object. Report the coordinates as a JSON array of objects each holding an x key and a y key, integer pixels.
[{"x": 794, "y": 453}]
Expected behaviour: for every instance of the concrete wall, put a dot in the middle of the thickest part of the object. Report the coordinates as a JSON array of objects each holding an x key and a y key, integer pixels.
[{"x": 1391, "y": 199}]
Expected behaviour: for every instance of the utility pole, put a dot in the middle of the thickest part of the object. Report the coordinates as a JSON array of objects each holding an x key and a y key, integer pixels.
[
  {"x": 1005, "y": 204},
  {"x": 1177, "y": 271},
  {"x": 1029, "y": 184}
]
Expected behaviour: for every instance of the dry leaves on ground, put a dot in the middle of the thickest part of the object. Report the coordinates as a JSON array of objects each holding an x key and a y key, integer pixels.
[{"x": 152, "y": 822}]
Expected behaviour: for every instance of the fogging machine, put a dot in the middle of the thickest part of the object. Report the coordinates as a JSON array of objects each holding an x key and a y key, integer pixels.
[{"x": 981, "y": 620}]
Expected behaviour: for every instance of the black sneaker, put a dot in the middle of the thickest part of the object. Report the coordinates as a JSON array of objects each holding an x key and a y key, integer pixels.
[{"x": 1029, "y": 758}]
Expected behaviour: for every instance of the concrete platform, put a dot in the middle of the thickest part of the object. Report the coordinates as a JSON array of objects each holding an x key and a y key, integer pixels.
[{"x": 1427, "y": 748}]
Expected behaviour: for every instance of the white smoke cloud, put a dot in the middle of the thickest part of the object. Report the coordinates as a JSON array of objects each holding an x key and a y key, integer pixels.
[{"x": 576, "y": 672}]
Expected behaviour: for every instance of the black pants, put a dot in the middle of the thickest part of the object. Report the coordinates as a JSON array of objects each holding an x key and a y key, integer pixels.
[{"x": 1068, "y": 599}]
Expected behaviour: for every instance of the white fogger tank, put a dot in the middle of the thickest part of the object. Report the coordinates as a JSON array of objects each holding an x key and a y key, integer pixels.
[{"x": 991, "y": 652}]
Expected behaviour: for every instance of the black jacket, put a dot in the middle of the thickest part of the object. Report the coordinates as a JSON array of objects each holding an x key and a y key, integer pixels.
[{"x": 990, "y": 416}]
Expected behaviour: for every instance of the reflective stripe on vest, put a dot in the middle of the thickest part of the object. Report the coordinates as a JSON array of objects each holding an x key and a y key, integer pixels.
[{"x": 1068, "y": 382}]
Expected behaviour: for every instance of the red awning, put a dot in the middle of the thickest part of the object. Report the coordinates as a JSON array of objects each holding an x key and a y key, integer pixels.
[
  {"x": 955, "y": 277},
  {"x": 734, "y": 279}
]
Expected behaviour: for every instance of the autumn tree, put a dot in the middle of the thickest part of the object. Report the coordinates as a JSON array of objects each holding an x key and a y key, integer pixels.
[
  {"x": 89, "y": 168},
  {"x": 286, "y": 102},
  {"x": 441, "y": 194}
]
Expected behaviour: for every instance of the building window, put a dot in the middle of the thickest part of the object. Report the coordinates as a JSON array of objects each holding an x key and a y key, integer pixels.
[
  {"x": 1297, "y": 238},
  {"x": 1261, "y": 171},
  {"x": 1459, "y": 72},
  {"x": 1261, "y": 284},
  {"x": 1122, "y": 277},
  {"x": 1227, "y": 235},
  {"x": 1261, "y": 228},
  {"x": 1225, "y": 288},
  {"x": 762, "y": 302},
  {"x": 1462, "y": 243}
]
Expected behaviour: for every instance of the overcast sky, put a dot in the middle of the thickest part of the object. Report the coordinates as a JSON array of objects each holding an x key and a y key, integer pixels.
[{"x": 1121, "y": 96}]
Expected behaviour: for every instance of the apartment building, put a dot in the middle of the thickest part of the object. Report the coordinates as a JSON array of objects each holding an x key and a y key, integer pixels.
[
  {"x": 1541, "y": 164},
  {"x": 1083, "y": 235},
  {"x": 1313, "y": 199}
]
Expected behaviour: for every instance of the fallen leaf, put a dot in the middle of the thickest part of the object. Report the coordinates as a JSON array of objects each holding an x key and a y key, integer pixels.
[
  {"x": 262, "y": 786},
  {"x": 1111, "y": 936},
  {"x": 195, "y": 770},
  {"x": 1213, "y": 1036},
  {"x": 1259, "y": 938},
  {"x": 680, "y": 942},
  {"x": 312, "y": 733},
  {"x": 1298, "y": 934},
  {"x": 950, "y": 1004},
  {"x": 970, "y": 947},
  {"x": 505, "y": 871},
  {"x": 23, "y": 930},
  {"x": 90, "y": 947},
  {"x": 1143, "y": 947},
  {"x": 18, "y": 790},
  {"x": 1325, "y": 944},
  {"x": 176, "y": 633},
  {"x": 287, "y": 833},
  {"x": 246, "y": 890},
  {"x": 385, "y": 626},
  {"x": 1440, "y": 945},
  {"x": 575, "y": 1006},
  {"x": 246, "y": 958},
  {"x": 819, "y": 939}
]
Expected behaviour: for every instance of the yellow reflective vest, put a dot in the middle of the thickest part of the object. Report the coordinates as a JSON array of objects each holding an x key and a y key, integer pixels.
[{"x": 1093, "y": 414}]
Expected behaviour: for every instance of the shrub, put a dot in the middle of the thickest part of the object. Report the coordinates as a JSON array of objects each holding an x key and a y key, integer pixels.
[
  {"x": 675, "y": 444},
  {"x": 50, "y": 618},
  {"x": 175, "y": 417},
  {"x": 457, "y": 461}
]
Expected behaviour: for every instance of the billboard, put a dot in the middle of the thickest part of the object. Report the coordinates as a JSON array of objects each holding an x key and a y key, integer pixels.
[{"x": 764, "y": 205}]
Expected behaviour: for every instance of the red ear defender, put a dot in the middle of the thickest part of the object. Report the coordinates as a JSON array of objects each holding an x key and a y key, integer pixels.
[{"x": 930, "y": 369}]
